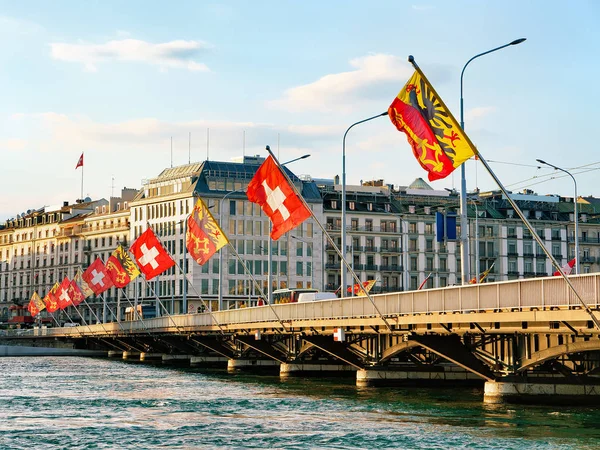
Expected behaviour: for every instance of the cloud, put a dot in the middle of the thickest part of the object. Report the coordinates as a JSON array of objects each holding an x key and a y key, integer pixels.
[
  {"x": 12, "y": 145},
  {"x": 479, "y": 112},
  {"x": 174, "y": 54},
  {"x": 375, "y": 77}
]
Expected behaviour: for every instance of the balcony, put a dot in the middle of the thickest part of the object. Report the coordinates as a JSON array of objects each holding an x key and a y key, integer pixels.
[
  {"x": 370, "y": 249},
  {"x": 333, "y": 266},
  {"x": 393, "y": 250},
  {"x": 588, "y": 260},
  {"x": 512, "y": 254},
  {"x": 372, "y": 267},
  {"x": 528, "y": 255},
  {"x": 391, "y": 268}
]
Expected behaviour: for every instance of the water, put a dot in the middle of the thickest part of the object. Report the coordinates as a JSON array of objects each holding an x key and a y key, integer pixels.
[{"x": 85, "y": 403}]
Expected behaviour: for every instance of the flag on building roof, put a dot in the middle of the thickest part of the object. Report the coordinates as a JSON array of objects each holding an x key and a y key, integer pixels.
[
  {"x": 51, "y": 300},
  {"x": 203, "y": 236},
  {"x": 79, "y": 162},
  {"x": 36, "y": 304},
  {"x": 97, "y": 278},
  {"x": 271, "y": 190},
  {"x": 362, "y": 289},
  {"x": 150, "y": 255},
  {"x": 567, "y": 268},
  {"x": 437, "y": 141},
  {"x": 121, "y": 268},
  {"x": 62, "y": 294}
]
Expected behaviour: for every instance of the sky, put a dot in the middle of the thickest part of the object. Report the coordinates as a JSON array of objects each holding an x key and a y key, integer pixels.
[{"x": 118, "y": 81}]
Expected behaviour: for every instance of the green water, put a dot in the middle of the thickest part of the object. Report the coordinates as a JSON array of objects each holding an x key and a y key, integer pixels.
[{"x": 84, "y": 403}]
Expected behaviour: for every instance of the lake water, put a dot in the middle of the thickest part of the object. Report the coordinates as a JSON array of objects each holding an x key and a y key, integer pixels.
[{"x": 86, "y": 403}]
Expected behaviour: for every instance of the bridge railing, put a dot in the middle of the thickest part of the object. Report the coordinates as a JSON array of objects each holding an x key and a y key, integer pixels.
[{"x": 537, "y": 293}]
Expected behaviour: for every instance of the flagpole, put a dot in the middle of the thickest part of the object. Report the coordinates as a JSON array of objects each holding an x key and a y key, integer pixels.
[
  {"x": 329, "y": 238},
  {"x": 258, "y": 285},
  {"x": 81, "y": 180}
]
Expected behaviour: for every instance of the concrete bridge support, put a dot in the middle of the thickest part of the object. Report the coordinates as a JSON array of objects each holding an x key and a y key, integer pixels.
[
  {"x": 133, "y": 356},
  {"x": 217, "y": 362},
  {"x": 436, "y": 376},
  {"x": 115, "y": 354},
  {"x": 183, "y": 360},
  {"x": 287, "y": 370},
  {"x": 151, "y": 356},
  {"x": 543, "y": 391},
  {"x": 252, "y": 365}
]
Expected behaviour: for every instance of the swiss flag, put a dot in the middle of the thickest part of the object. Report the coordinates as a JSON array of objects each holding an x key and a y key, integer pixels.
[
  {"x": 79, "y": 162},
  {"x": 150, "y": 255},
  {"x": 567, "y": 268},
  {"x": 270, "y": 189},
  {"x": 62, "y": 294},
  {"x": 97, "y": 278}
]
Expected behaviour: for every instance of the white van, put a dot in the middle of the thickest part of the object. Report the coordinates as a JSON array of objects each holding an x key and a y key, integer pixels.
[{"x": 316, "y": 296}]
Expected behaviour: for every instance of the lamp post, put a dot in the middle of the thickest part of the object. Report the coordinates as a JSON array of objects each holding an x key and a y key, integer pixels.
[
  {"x": 464, "y": 239},
  {"x": 576, "y": 218},
  {"x": 476, "y": 241},
  {"x": 343, "y": 246}
]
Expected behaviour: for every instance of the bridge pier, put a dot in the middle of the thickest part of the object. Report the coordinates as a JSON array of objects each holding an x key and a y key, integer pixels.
[
  {"x": 219, "y": 362},
  {"x": 252, "y": 365},
  {"x": 542, "y": 392},
  {"x": 176, "y": 359},
  {"x": 287, "y": 370},
  {"x": 151, "y": 356},
  {"x": 437, "y": 376},
  {"x": 131, "y": 355},
  {"x": 115, "y": 354}
]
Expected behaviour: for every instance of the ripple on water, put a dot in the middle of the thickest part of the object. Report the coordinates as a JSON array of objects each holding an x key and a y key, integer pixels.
[{"x": 79, "y": 403}]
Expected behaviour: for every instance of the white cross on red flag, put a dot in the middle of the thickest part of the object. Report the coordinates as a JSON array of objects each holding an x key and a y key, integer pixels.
[
  {"x": 270, "y": 189},
  {"x": 150, "y": 255},
  {"x": 97, "y": 277},
  {"x": 62, "y": 294}
]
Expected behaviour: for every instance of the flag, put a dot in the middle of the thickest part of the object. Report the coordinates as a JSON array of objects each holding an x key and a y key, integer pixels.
[
  {"x": 121, "y": 268},
  {"x": 79, "y": 162},
  {"x": 483, "y": 275},
  {"x": 424, "y": 281},
  {"x": 270, "y": 189},
  {"x": 75, "y": 293},
  {"x": 97, "y": 278},
  {"x": 567, "y": 268},
  {"x": 36, "y": 304},
  {"x": 50, "y": 299},
  {"x": 203, "y": 236},
  {"x": 437, "y": 141},
  {"x": 362, "y": 289},
  {"x": 62, "y": 294},
  {"x": 151, "y": 256},
  {"x": 82, "y": 285}
]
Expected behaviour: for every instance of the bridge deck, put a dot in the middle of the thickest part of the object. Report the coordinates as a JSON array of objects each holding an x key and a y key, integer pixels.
[{"x": 534, "y": 300}]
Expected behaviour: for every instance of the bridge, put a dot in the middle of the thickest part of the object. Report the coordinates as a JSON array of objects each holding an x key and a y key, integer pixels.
[{"x": 520, "y": 340}]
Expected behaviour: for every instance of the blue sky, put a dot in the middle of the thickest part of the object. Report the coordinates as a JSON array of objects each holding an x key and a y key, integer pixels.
[{"x": 117, "y": 80}]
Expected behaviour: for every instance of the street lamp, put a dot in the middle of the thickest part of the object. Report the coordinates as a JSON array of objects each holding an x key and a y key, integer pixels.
[
  {"x": 344, "y": 249},
  {"x": 576, "y": 219},
  {"x": 476, "y": 241},
  {"x": 464, "y": 239}
]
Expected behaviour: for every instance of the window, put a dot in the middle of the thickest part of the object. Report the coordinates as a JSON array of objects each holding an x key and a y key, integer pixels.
[
  {"x": 299, "y": 271},
  {"x": 368, "y": 224}
]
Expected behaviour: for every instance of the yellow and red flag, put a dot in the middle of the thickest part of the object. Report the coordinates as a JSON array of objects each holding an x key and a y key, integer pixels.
[
  {"x": 483, "y": 275},
  {"x": 36, "y": 304},
  {"x": 204, "y": 236},
  {"x": 362, "y": 289},
  {"x": 83, "y": 285},
  {"x": 50, "y": 299},
  {"x": 121, "y": 268},
  {"x": 437, "y": 141}
]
